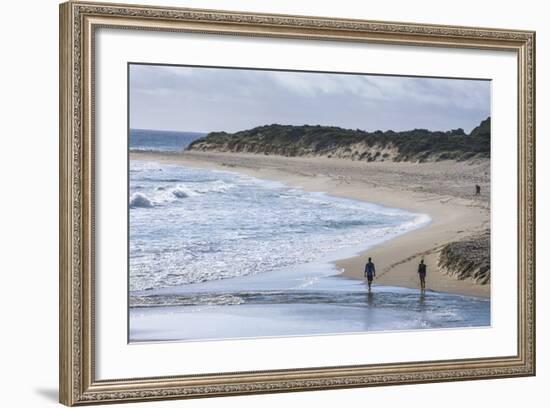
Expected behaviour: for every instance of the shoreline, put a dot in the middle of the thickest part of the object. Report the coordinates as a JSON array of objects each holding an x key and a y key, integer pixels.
[{"x": 413, "y": 187}]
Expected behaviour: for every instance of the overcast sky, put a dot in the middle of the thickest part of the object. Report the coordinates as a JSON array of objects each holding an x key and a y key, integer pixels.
[{"x": 215, "y": 99}]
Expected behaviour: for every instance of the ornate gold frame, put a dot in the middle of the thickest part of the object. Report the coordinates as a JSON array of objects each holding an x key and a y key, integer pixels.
[{"x": 78, "y": 22}]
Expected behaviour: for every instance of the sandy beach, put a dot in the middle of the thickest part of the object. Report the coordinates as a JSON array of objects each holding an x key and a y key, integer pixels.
[{"x": 443, "y": 190}]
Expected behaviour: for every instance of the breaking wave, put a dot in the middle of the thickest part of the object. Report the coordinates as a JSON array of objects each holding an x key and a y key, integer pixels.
[
  {"x": 165, "y": 194},
  {"x": 139, "y": 200}
]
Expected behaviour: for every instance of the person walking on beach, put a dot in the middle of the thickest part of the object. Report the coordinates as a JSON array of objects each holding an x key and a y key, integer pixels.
[
  {"x": 422, "y": 275},
  {"x": 478, "y": 189},
  {"x": 370, "y": 272}
]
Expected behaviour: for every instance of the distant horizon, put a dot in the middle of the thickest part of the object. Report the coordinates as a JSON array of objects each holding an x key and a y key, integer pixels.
[
  {"x": 286, "y": 124},
  {"x": 210, "y": 99},
  {"x": 168, "y": 130}
]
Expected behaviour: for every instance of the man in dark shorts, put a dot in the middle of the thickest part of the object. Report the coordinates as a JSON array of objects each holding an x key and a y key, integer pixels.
[
  {"x": 422, "y": 275},
  {"x": 370, "y": 272}
]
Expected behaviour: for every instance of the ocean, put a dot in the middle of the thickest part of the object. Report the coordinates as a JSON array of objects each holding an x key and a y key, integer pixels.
[
  {"x": 146, "y": 140},
  {"x": 212, "y": 251}
]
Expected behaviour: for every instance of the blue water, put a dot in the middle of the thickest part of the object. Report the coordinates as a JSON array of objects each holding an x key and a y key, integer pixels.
[
  {"x": 161, "y": 140},
  {"x": 216, "y": 254}
]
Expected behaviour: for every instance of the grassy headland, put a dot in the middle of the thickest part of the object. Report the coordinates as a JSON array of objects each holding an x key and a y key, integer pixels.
[{"x": 418, "y": 145}]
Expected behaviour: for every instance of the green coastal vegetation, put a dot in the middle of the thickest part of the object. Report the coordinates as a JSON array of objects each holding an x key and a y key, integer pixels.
[{"x": 418, "y": 145}]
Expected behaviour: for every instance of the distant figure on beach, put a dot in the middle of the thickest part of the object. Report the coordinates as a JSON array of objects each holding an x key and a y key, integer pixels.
[
  {"x": 478, "y": 189},
  {"x": 422, "y": 275},
  {"x": 370, "y": 272}
]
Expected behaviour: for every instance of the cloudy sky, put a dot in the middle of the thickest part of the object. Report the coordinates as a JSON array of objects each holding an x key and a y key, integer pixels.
[{"x": 215, "y": 99}]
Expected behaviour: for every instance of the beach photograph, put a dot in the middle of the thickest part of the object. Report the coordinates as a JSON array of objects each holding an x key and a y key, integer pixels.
[{"x": 275, "y": 203}]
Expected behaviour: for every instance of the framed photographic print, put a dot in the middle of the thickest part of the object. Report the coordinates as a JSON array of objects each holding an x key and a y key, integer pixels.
[{"x": 256, "y": 203}]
